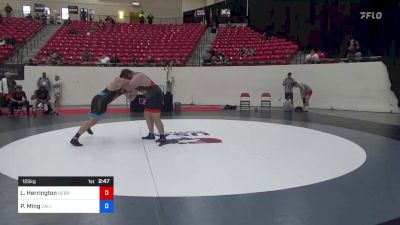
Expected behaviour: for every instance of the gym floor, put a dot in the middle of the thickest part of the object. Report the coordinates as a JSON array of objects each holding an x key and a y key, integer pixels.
[{"x": 227, "y": 167}]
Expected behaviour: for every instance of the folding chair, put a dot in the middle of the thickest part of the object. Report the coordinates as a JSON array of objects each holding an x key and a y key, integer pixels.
[
  {"x": 244, "y": 101},
  {"x": 265, "y": 101}
]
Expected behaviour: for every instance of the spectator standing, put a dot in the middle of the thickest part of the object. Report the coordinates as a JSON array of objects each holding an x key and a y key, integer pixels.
[
  {"x": 313, "y": 57},
  {"x": 288, "y": 84},
  {"x": 18, "y": 99},
  {"x": 57, "y": 89},
  {"x": 68, "y": 21},
  {"x": 3, "y": 93},
  {"x": 43, "y": 17},
  {"x": 91, "y": 14},
  {"x": 44, "y": 81},
  {"x": 8, "y": 10},
  {"x": 141, "y": 17},
  {"x": 7, "y": 87},
  {"x": 10, "y": 81},
  {"x": 150, "y": 18},
  {"x": 83, "y": 15}
]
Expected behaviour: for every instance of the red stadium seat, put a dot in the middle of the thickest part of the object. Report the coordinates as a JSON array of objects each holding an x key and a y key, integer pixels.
[
  {"x": 19, "y": 28},
  {"x": 230, "y": 39},
  {"x": 128, "y": 41}
]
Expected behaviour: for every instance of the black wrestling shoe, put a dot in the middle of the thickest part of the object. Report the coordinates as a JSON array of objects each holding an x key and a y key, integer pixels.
[
  {"x": 162, "y": 140},
  {"x": 90, "y": 131},
  {"x": 150, "y": 136},
  {"x": 75, "y": 142}
]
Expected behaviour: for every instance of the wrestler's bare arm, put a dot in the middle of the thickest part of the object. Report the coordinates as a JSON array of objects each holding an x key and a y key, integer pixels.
[
  {"x": 131, "y": 95},
  {"x": 117, "y": 84},
  {"x": 138, "y": 79}
]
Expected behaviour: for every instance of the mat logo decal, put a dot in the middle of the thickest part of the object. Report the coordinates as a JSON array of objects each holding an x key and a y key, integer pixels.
[{"x": 191, "y": 137}]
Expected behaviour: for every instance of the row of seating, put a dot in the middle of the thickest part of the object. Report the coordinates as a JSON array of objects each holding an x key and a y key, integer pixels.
[
  {"x": 231, "y": 40},
  {"x": 127, "y": 41},
  {"x": 130, "y": 46},
  {"x": 5, "y": 51},
  {"x": 18, "y": 28}
]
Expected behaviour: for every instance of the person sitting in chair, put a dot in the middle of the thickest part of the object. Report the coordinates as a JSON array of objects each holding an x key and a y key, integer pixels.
[
  {"x": 18, "y": 99},
  {"x": 313, "y": 57},
  {"x": 41, "y": 98}
]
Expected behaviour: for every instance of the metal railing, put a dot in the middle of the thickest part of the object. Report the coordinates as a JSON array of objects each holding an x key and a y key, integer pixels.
[
  {"x": 18, "y": 54},
  {"x": 196, "y": 58}
]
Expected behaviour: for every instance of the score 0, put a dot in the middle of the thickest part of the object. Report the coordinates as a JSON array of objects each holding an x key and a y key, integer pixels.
[{"x": 106, "y": 197}]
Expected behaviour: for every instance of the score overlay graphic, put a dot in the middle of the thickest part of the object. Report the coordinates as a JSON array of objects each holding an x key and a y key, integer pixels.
[{"x": 65, "y": 194}]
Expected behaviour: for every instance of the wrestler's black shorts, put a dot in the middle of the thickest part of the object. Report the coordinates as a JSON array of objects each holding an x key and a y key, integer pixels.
[
  {"x": 100, "y": 103},
  {"x": 154, "y": 99}
]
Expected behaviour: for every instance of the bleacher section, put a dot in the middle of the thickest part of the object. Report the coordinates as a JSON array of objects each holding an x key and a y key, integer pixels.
[
  {"x": 127, "y": 41},
  {"x": 274, "y": 50},
  {"x": 19, "y": 28}
]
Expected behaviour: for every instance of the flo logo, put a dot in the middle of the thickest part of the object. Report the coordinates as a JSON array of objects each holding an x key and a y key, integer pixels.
[
  {"x": 371, "y": 15},
  {"x": 191, "y": 137}
]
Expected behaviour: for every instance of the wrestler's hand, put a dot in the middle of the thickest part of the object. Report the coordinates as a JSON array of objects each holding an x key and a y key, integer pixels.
[{"x": 130, "y": 95}]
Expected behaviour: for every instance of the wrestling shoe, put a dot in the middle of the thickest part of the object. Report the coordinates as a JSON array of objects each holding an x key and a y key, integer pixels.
[
  {"x": 150, "y": 136},
  {"x": 162, "y": 140},
  {"x": 90, "y": 131},
  {"x": 75, "y": 142}
]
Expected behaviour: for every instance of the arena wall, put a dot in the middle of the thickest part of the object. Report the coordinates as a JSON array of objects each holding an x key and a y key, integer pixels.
[
  {"x": 345, "y": 86},
  {"x": 159, "y": 8},
  {"x": 192, "y": 4}
]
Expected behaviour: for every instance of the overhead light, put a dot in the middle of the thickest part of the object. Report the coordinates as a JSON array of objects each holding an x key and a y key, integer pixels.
[
  {"x": 135, "y": 4},
  {"x": 121, "y": 15}
]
